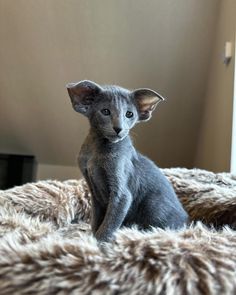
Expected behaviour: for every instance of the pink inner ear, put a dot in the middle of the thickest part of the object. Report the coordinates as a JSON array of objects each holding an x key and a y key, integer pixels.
[
  {"x": 81, "y": 91},
  {"x": 148, "y": 103},
  {"x": 80, "y": 96}
]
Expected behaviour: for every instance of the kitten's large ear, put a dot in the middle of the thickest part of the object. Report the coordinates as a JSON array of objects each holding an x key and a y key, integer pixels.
[
  {"x": 146, "y": 101},
  {"x": 82, "y": 95}
]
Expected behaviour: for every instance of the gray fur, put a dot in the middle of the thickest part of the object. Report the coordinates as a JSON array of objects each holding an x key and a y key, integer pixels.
[{"x": 127, "y": 188}]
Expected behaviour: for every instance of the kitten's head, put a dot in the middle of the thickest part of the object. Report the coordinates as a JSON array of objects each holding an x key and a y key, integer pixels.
[{"x": 112, "y": 110}]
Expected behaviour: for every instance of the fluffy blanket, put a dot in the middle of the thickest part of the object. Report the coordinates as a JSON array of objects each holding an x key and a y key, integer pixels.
[{"x": 46, "y": 246}]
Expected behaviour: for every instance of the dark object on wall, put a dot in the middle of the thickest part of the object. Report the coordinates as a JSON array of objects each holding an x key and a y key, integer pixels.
[{"x": 16, "y": 170}]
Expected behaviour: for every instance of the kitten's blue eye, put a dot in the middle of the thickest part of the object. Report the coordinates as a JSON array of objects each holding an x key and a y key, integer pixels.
[
  {"x": 129, "y": 114},
  {"x": 105, "y": 112}
]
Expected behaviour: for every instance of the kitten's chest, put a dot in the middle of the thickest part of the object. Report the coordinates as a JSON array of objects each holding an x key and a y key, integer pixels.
[
  {"x": 105, "y": 169},
  {"x": 97, "y": 165},
  {"x": 96, "y": 172},
  {"x": 101, "y": 168},
  {"x": 90, "y": 159}
]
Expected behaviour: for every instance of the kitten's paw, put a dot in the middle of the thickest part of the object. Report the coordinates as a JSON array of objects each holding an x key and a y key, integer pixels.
[{"x": 101, "y": 237}]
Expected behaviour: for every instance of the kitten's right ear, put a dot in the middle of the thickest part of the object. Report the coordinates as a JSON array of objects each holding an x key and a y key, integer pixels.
[{"x": 82, "y": 95}]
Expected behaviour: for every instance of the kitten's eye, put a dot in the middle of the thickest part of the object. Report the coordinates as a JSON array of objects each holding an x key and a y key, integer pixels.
[
  {"x": 129, "y": 114},
  {"x": 105, "y": 112}
]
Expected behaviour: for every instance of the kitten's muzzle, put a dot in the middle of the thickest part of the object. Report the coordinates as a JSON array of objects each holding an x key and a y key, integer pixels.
[{"x": 118, "y": 137}]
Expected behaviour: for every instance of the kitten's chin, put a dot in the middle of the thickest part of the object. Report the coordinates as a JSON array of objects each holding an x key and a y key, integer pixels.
[{"x": 116, "y": 139}]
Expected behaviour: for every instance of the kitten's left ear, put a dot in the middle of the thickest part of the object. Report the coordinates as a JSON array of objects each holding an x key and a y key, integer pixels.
[{"x": 146, "y": 101}]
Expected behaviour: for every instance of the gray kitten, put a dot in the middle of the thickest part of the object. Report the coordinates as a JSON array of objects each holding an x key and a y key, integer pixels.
[{"x": 126, "y": 187}]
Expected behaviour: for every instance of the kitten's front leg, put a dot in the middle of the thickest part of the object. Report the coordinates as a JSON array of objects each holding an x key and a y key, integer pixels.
[
  {"x": 116, "y": 212},
  {"x": 97, "y": 214}
]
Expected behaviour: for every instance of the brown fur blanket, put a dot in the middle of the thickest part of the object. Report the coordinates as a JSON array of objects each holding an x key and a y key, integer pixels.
[{"x": 46, "y": 246}]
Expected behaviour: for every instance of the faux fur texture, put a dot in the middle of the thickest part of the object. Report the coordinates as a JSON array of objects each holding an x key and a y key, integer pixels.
[{"x": 46, "y": 246}]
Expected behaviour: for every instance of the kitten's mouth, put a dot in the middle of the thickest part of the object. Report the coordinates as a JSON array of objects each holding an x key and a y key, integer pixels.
[{"x": 115, "y": 138}]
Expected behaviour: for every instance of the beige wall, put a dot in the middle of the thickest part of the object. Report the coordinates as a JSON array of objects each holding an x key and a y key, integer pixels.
[
  {"x": 164, "y": 45},
  {"x": 233, "y": 145},
  {"x": 214, "y": 144},
  {"x": 59, "y": 172}
]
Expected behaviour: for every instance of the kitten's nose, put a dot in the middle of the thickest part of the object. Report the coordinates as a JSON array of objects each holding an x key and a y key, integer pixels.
[{"x": 117, "y": 129}]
